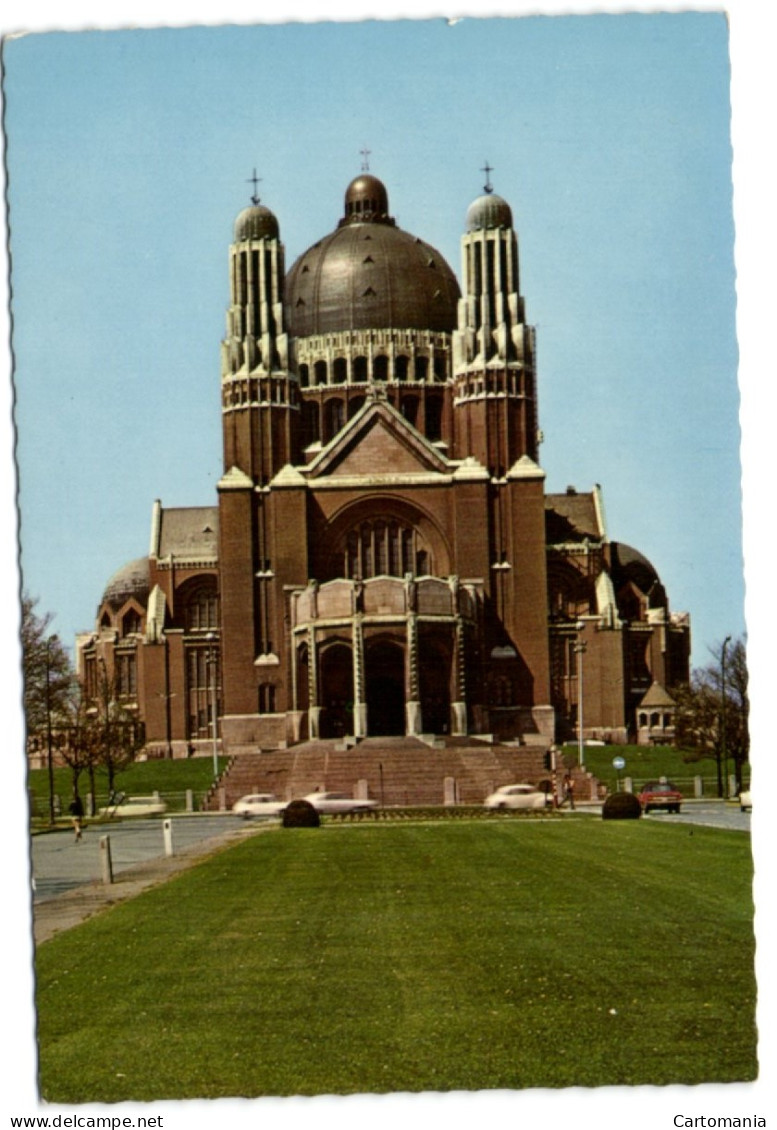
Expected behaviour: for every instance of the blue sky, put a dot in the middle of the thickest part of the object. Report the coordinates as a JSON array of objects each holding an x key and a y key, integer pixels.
[{"x": 128, "y": 157}]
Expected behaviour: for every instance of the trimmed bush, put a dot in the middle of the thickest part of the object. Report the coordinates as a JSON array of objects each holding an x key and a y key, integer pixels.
[
  {"x": 300, "y": 814},
  {"x": 621, "y": 806}
]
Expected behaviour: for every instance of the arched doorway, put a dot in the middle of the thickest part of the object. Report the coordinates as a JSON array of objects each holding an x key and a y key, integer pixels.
[
  {"x": 434, "y": 679},
  {"x": 336, "y": 674},
  {"x": 385, "y": 684}
]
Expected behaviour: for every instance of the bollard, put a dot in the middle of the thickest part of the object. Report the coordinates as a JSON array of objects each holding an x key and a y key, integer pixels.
[
  {"x": 698, "y": 787},
  {"x": 189, "y": 800},
  {"x": 628, "y": 785},
  {"x": 449, "y": 791},
  {"x": 90, "y": 806},
  {"x": 732, "y": 786},
  {"x": 106, "y": 866},
  {"x": 167, "y": 831}
]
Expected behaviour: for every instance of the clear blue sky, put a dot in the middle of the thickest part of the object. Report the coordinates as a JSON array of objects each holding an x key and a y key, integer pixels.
[{"x": 128, "y": 158}]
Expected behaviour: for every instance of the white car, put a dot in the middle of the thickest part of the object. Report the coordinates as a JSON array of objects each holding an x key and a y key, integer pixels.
[
  {"x": 339, "y": 802},
  {"x": 745, "y": 801},
  {"x": 516, "y": 796},
  {"x": 258, "y": 804}
]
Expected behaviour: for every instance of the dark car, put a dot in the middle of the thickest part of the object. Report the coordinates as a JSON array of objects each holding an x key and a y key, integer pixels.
[{"x": 660, "y": 794}]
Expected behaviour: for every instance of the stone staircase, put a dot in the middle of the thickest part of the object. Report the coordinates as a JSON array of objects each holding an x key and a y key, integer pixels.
[{"x": 394, "y": 771}]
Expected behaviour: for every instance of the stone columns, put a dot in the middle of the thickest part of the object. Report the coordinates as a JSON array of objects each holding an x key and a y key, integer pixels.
[
  {"x": 314, "y": 710},
  {"x": 359, "y": 704},
  {"x": 413, "y": 719},
  {"x": 459, "y": 705}
]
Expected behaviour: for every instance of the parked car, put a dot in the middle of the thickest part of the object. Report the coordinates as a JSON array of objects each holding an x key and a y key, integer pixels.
[
  {"x": 339, "y": 802},
  {"x": 660, "y": 794},
  {"x": 745, "y": 801},
  {"x": 258, "y": 804},
  {"x": 516, "y": 796}
]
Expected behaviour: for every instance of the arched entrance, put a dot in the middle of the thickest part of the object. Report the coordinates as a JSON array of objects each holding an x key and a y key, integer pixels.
[
  {"x": 385, "y": 685},
  {"x": 434, "y": 678},
  {"x": 336, "y": 696}
]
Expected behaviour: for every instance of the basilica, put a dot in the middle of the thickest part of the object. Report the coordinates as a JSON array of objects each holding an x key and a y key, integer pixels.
[{"x": 382, "y": 559}]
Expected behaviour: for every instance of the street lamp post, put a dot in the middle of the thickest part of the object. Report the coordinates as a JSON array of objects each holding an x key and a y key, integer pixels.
[
  {"x": 723, "y": 752},
  {"x": 580, "y": 647},
  {"x": 212, "y": 663}
]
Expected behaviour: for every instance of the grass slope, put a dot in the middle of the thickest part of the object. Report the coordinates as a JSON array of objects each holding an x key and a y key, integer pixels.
[{"x": 415, "y": 957}]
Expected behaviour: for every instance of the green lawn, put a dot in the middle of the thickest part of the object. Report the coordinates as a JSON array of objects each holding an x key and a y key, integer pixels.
[
  {"x": 170, "y": 778},
  {"x": 644, "y": 763},
  {"x": 447, "y": 955}
]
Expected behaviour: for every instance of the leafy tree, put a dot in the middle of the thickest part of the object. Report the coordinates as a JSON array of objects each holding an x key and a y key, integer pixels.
[{"x": 710, "y": 722}]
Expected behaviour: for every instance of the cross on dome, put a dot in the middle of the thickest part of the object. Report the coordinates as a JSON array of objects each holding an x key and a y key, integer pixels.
[
  {"x": 487, "y": 169},
  {"x": 254, "y": 180}
]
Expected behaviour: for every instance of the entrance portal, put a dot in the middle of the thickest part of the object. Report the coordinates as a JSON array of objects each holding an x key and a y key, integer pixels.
[
  {"x": 385, "y": 681},
  {"x": 336, "y": 691}
]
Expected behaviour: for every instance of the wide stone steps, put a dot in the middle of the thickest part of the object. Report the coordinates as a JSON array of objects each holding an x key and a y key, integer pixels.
[{"x": 394, "y": 771}]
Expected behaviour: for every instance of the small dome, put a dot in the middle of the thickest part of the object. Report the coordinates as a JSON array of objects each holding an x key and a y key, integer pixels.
[
  {"x": 366, "y": 199},
  {"x": 130, "y": 581},
  {"x": 489, "y": 211},
  {"x": 256, "y": 222}
]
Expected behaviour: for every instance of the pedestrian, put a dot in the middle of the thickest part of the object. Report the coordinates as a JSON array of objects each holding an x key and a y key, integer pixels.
[
  {"x": 77, "y": 814},
  {"x": 569, "y": 790}
]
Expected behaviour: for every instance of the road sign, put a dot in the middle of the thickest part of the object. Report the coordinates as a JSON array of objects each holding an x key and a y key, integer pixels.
[{"x": 618, "y": 763}]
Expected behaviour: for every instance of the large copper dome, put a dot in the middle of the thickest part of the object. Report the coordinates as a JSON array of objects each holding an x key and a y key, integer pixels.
[{"x": 369, "y": 274}]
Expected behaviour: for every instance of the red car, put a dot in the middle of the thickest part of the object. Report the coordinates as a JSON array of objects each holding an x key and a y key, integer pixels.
[{"x": 660, "y": 794}]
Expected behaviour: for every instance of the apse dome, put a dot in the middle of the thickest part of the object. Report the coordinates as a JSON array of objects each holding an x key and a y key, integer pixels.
[
  {"x": 369, "y": 274},
  {"x": 129, "y": 581},
  {"x": 489, "y": 211}
]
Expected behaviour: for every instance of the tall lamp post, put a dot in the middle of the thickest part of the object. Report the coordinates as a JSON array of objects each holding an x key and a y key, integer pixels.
[
  {"x": 723, "y": 751},
  {"x": 580, "y": 647},
  {"x": 213, "y": 664},
  {"x": 51, "y": 640}
]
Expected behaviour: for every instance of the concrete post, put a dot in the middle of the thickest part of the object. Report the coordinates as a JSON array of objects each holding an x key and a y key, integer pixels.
[
  {"x": 167, "y": 832},
  {"x": 189, "y": 800},
  {"x": 449, "y": 790},
  {"x": 698, "y": 787},
  {"x": 106, "y": 865},
  {"x": 628, "y": 785}
]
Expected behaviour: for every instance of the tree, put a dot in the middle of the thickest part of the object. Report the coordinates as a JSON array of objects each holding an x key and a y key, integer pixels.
[
  {"x": 48, "y": 677},
  {"x": 113, "y": 731},
  {"x": 712, "y": 712},
  {"x": 48, "y": 681}
]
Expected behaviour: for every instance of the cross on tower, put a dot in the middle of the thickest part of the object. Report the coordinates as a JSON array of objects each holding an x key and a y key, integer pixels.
[
  {"x": 254, "y": 180},
  {"x": 365, "y": 159},
  {"x": 488, "y": 187}
]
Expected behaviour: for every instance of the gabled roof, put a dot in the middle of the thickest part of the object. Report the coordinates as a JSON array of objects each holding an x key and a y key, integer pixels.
[
  {"x": 378, "y": 442},
  {"x": 188, "y": 532},
  {"x": 572, "y": 517}
]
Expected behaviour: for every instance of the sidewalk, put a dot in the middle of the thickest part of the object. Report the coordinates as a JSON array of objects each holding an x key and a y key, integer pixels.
[{"x": 73, "y": 907}]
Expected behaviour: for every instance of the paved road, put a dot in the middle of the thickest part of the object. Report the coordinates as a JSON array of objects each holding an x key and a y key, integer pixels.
[
  {"x": 59, "y": 864},
  {"x": 713, "y": 814}
]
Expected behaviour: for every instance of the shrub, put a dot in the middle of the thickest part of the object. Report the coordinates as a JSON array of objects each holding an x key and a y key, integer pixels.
[
  {"x": 621, "y": 806},
  {"x": 300, "y": 814}
]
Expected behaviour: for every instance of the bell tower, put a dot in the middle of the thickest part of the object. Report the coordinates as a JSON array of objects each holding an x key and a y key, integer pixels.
[
  {"x": 495, "y": 407},
  {"x": 259, "y": 395}
]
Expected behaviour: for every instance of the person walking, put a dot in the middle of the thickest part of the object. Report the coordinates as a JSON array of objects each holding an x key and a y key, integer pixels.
[
  {"x": 569, "y": 790},
  {"x": 77, "y": 814}
]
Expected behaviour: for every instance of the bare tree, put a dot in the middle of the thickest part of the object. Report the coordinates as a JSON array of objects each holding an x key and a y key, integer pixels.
[
  {"x": 48, "y": 682},
  {"x": 712, "y": 712}
]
